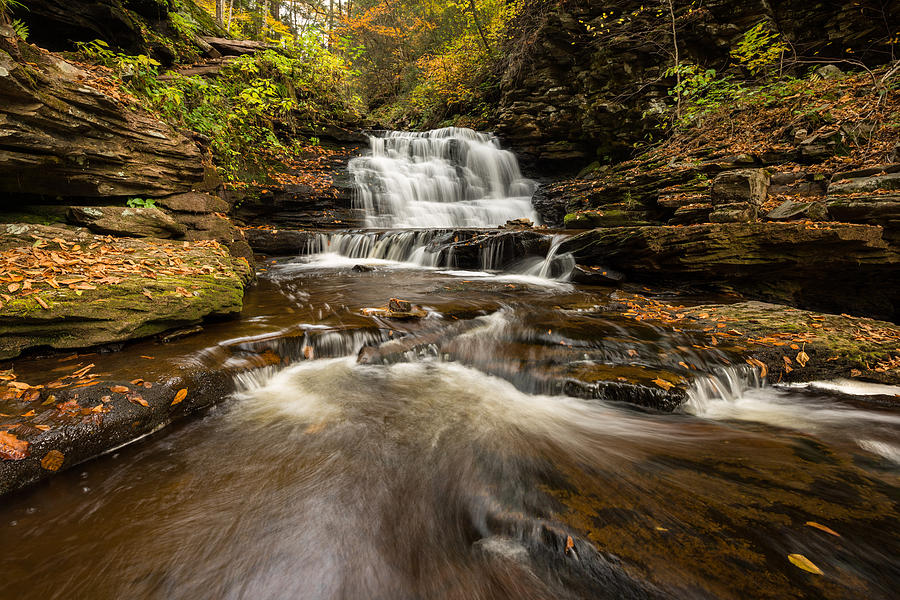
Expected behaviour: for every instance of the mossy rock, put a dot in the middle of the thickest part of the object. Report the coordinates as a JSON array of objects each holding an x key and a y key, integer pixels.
[{"x": 178, "y": 285}]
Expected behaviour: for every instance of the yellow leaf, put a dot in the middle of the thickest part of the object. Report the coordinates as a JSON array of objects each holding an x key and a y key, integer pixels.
[
  {"x": 663, "y": 383},
  {"x": 802, "y": 358},
  {"x": 53, "y": 460},
  {"x": 798, "y": 560},
  {"x": 181, "y": 395},
  {"x": 822, "y": 527}
]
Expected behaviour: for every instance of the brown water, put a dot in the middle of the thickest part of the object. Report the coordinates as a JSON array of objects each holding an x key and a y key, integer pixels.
[{"x": 459, "y": 470}]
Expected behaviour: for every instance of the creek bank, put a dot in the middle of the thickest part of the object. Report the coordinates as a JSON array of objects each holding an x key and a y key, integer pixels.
[
  {"x": 68, "y": 288},
  {"x": 795, "y": 345},
  {"x": 826, "y": 266}
]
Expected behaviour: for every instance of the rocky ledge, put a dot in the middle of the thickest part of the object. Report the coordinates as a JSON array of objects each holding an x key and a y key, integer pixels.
[
  {"x": 824, "y": 266},
  {"x": 64, "y": 134},
  {"x": 67, "y": 288}
]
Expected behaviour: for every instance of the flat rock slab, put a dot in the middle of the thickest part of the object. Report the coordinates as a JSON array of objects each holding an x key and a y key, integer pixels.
[
  {"x": 145, "y": 221},
  {"x": 279, "y": 242},
  {"x": 67, "y": 288},
  {"x": 791, "y": 344},
  {"x": 193, "y": 202},
  {"x": 825, "y": 266}
]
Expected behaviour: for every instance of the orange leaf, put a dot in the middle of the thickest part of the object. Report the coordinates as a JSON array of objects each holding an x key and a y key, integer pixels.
[
  {"x": 666, "y": 385},
  {"x": 181, "y": 395},
  {"x": 135, "y": 398},
  {"x": 119, "y": 389},
  {"x": 53, "y": 460},
  {"x": 822, "y": 527},
  {"x": 43, "y": 304},
  {"x": 798, "y": 560},
  {"x": 11, "y": 447}
]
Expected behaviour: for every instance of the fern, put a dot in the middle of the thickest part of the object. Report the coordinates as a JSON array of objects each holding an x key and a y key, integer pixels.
[{"x": 20, "y": 28}]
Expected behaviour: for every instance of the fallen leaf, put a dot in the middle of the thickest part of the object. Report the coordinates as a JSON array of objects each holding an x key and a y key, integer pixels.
[
  {"x": 666, "y": 385},
  {"x": 135, "y": 398},
  {"x": 43, "y": 304},
  {"x": 30, "y": 413},
  {"x": 119, "y": 389},
  {"x": 822, "y": 527},
  {"x": 13, "y": 287},
  {"x": 53, "y": 460},
  {"x": 570, "y": 543},
  {"x": 42, "y": 427},
  {"x": 798, "y": 560},
  {"x": 181, "y": 395},
  {"x": 802, "y": 358},
  {"x": 11, "y": 447}
]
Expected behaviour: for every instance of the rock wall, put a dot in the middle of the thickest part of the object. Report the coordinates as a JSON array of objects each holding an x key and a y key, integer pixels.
[
  {"x": 577, "y": 82},
  {"x": 61, "y": 134}
]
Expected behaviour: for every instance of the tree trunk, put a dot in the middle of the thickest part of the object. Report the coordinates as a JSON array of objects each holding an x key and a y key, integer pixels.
[
  {"x": 220, "y": 12},
  {"x": 677, "y": 62},
  {"x": 478, "y": 24}
]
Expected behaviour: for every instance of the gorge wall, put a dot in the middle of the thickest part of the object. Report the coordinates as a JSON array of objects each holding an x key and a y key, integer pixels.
[{"x": 580, "y": 77}]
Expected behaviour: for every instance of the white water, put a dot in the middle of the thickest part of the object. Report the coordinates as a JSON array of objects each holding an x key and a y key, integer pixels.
[{"x": 451, "y": 177}]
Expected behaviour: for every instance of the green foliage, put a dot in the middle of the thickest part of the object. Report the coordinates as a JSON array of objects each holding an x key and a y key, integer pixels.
[
  {"x": 701, "y": 91},
  {"x": 759, "y": 49},
  {"x": 140, "y": 203},
  {"x": 258, "y": 102},
  {"x": 183, "y": 25},
  {"x": 139, "y": 71},
  {"x": 6, "y": 6},
  {"x": 20, "y": 28}
]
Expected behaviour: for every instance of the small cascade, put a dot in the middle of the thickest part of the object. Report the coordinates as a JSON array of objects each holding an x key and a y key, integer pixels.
[
  {"x": 555, "y": 265},
  {"x": 724, "y": 385},
  {"x": 451, "y": 177},
  {"x": 396, "y": 246}
]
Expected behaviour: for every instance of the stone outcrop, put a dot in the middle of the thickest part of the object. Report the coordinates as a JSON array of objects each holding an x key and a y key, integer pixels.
[
  {"x": 107, "y": 291},
  {"x": 578, "y": 82},
  {"x": 279, "y": 242},
  {"x": 132, "y": 26},
  {"x": 124, "y": 221},
  {"x": 62, "y": 136},
  {"x": 832, "y": 267}
]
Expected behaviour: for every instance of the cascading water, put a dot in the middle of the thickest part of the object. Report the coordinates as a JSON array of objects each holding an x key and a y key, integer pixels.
[
  {"x": 418, "y": 189},
  {"x": 451, "y": 177}
]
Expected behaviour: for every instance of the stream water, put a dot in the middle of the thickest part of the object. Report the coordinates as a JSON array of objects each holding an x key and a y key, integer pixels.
[{"x": 460, "y": 467}]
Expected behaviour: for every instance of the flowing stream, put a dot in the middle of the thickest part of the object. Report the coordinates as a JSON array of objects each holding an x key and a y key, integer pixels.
[{"x": 452, "y": 456}]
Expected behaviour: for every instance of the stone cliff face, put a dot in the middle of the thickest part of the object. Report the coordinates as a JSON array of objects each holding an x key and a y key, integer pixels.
[
  {"x": 62, "y": 136},
  {"x": 577, "y": 81}
]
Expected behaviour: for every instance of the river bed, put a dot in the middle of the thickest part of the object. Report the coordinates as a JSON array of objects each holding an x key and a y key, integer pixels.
[{"x": 431, "y": 478}]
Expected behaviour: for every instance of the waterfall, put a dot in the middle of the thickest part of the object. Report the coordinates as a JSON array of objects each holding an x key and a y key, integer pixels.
[
  {"x": 418, "y": 189},
  {"x": 451, "y": 177}
]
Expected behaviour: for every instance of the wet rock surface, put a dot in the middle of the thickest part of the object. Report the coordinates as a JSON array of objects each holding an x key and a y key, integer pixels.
[
  {"x": 806, "y": 265},
  {"x": 114, "y": 291}
]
